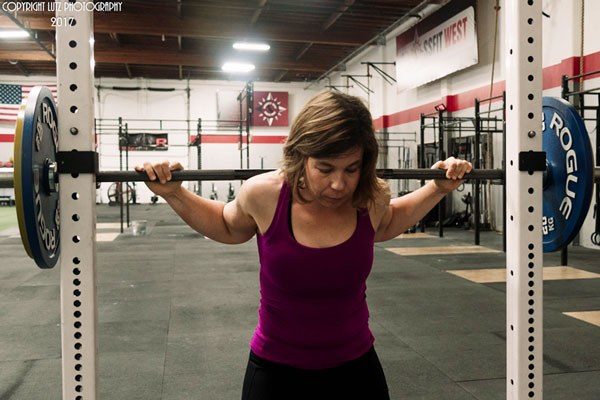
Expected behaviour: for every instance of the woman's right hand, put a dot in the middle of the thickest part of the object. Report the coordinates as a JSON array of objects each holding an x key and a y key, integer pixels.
[{"x": 160, "y": 177}]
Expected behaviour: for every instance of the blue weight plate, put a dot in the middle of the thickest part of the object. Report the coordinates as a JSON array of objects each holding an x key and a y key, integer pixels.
[
  {"x": 568, "y": 183},
  {"x": 40, "y": 207}
]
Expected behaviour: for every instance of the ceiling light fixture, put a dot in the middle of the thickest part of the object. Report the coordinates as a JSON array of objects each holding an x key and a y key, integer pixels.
[
  {"x": 237, "y": 67},
  {"x": 14, "y": 34},
  {"x": 245, "y": 46}
]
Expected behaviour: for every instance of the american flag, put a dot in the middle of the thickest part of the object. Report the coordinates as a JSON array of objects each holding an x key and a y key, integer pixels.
[{"x": 11, "y": 97}]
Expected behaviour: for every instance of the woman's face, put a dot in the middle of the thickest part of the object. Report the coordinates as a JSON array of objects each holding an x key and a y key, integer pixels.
[{"x": 332, "y": 181}]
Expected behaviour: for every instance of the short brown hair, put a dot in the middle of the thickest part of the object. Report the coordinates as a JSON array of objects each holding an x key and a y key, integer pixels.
[{"x": 329, "y": 125}]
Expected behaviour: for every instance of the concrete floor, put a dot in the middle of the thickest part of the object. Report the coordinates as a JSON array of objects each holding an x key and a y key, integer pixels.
[{"x": 176, "y": 312}]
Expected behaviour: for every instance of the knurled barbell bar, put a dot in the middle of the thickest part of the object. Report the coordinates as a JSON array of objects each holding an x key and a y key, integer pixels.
[
  {"x": 6, "y": 178},
  {"x": 567, "y": 163}
]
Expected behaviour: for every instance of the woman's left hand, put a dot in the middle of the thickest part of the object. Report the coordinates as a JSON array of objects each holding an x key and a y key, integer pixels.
[{"x": 455, "y": 171}]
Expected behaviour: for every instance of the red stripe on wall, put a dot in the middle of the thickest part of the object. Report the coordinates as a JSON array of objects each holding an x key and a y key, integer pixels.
[
  {"x": 6, "y": 138},
  {"x": 552, "y": 77},
  {"x": 591, "y": 62},
  {"x": 263, "y": 139},
  {"x": 255, "y": 139}
]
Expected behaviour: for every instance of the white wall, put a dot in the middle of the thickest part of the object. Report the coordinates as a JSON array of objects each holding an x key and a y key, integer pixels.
[
  {"x": 202, "y": 104},
  {"x": 151, "y": 105}
]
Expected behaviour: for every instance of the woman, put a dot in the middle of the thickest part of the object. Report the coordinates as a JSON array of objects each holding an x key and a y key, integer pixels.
[{"x": 316, "y": 220}]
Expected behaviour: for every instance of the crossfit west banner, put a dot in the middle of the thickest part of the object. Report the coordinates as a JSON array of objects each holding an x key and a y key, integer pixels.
[
  {"x": 270, "y": 109},
  {"x": 437, "y": 46}
]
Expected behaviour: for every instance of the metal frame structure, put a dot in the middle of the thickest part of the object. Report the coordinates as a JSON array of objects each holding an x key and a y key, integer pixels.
[
  {"x": 524, "y": 256},
  {"x": 524, "y": 207},
  {"x": 246, "y": 99},
  {"x": 581, "y": 100},
  {"x": 388, "y": 140},
  {"x": 442, "y": 125},
  {"x": 74, "y": 70},
  {"x": 120, "y": 127},
  {"x": 489, "y": 125}
]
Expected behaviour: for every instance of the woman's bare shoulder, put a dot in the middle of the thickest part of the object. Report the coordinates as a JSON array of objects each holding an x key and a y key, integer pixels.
[
  {"x": 380, "y": 205},
  {"x": 261, "y": 194},
  {"x": 262, "y": 190},
  {"x": 264, "y": 184}
]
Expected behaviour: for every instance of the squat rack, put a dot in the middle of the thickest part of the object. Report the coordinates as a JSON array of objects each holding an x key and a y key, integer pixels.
[
  {"x": 246, "y": 101},
  {"x": 396, "y": 140},
  {"x": 524, "y": 323},
  {"x": 441, "y": 124},
  {"x": 580, "y": 98},
  {"x": 121, "y": 127},
  {"x": 483, "y": 122},
  {"x": 489, "y": 123}
]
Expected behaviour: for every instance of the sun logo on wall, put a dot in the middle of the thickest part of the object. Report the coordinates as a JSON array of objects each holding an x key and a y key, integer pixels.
[{"x": 270, "y": 109}]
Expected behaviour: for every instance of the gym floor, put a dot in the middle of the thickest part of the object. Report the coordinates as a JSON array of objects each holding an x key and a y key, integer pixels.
[{"x": 176, "y": 312}]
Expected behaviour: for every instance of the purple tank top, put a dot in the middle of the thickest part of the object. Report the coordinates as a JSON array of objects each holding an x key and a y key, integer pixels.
[{"x": 313, "y": 312}]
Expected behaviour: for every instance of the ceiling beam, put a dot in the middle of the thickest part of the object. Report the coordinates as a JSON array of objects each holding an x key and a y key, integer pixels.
[
  {"x": 258, "y": 11},
  {"x": 327, "y": 24},
  {"x": 20, "y": 67},
  {"x": 336, "y": 15},
  {"x": 26, "y": 55},
  {"x": 129, "y": 54},
  {"x": 303, "y": 50},
  {"x": 115, "y": 37},
  {"x": 179, "y": 9},
  {"x": 280, "y": 76},
  {"x": 12, "y": 20},
  {"x": 171, "y": 25}
]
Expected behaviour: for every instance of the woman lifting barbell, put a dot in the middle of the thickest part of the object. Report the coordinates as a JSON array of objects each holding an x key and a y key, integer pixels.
[{"x": 316, "y": 220}]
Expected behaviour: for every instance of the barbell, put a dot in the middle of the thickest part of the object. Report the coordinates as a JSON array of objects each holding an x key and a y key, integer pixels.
[{"x": 567, "y": 164}]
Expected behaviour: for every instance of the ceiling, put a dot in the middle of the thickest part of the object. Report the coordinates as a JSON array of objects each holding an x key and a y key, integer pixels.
[{"x": 180, "y": 39}]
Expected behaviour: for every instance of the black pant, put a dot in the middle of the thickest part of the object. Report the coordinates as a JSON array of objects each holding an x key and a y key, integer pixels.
[{"x": 362, "y": 378}]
